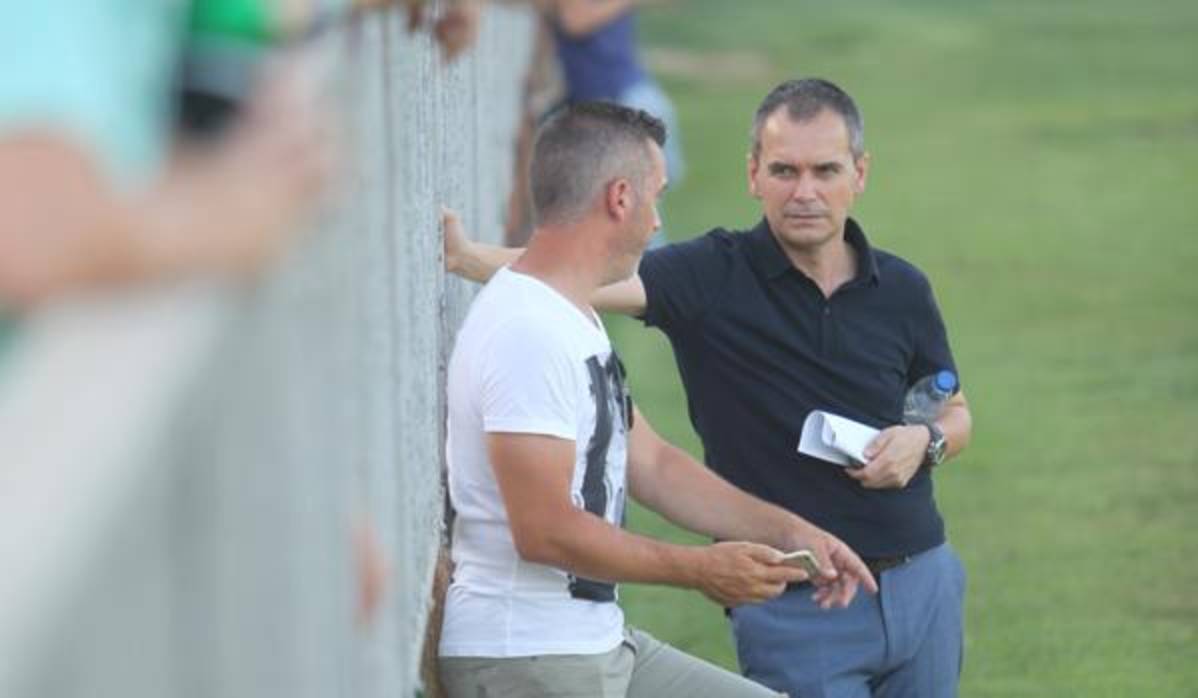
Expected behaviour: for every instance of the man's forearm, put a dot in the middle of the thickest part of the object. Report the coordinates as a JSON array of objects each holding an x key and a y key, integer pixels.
[
  {"x": 534, "y": 473},
  {"x": 956, "y": 423},
  {"x": 688, "y": 494},
  {"x": 591, "y": 547},
  {"x": 691, "y": 496},
  {"x": 479, "y": 261}
]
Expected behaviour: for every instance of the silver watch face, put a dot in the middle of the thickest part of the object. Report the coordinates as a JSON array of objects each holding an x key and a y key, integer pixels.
[{"x": 936, "y": 446}]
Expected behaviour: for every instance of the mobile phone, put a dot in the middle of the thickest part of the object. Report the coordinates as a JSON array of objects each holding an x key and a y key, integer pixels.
[{"x": 803, "y": 559}]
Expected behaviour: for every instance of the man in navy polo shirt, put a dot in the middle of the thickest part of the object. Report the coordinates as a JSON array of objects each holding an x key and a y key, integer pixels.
[{"x": 800, "y": 313}]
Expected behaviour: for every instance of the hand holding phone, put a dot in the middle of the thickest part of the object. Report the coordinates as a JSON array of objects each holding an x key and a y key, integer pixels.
[{"x": 803, "y": 559}]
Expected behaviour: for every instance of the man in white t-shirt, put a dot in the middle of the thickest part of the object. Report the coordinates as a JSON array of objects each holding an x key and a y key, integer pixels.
[{"x": 544, "y": 445}]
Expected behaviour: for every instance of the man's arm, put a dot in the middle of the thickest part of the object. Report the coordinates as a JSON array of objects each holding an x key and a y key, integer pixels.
[
  {"x": 669, "y": 481},
  {"x": 957, "y": 424},
  {"x": 468, "y": 259},
  {"x": 479, "y": 261},
  {"x": 896, "y": 454},
  {"x": 534, "y": 473}
]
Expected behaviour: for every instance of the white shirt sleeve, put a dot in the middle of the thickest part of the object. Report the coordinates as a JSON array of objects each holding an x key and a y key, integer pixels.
[{"x": 528, "y": 382}]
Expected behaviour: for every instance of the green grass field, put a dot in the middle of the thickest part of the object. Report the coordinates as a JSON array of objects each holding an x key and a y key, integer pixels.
[{"x": 1039, "y": 160}]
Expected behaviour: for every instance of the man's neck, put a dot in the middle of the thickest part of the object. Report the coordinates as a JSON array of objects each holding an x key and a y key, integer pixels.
[
  {"x": 830, "y": 266},
  {"x": 563, "y": 260}
]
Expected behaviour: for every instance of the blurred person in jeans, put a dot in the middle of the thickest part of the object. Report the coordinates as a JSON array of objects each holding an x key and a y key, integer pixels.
[
  {"x": 544, "y": 90},
  {"x": 597, "y": 48}
]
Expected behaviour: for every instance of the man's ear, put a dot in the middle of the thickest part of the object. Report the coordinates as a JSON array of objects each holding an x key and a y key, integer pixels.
[
  {"x": 861, "y": 167},
  {"x": 619, "y": 198},
  {"x": 751, "y": 165}
]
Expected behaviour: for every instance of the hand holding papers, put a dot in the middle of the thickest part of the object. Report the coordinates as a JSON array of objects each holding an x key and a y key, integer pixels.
[{"x": 836, "y": 439}]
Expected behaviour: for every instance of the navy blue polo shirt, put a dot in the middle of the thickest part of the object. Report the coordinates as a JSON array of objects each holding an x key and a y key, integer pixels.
[{"x": 758, "y": 347}]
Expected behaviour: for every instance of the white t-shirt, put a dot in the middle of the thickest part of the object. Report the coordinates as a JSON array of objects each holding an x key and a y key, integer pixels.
[{"x": 528, "y": 361}]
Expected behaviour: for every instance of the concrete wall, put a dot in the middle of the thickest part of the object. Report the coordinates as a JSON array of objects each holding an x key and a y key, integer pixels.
[{"x": 182, "y": 468}]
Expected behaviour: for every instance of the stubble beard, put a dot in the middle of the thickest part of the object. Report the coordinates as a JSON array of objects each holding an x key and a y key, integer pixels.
[{"x": 807, "y": 240}]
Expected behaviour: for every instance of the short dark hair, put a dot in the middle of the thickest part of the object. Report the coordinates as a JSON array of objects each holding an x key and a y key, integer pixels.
[
  {"x": 583, "y": 146},
  {"x": 804, "y": 100}
]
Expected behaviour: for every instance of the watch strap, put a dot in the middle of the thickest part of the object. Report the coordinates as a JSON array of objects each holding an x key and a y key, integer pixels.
[{"x": 934, "y": 455}]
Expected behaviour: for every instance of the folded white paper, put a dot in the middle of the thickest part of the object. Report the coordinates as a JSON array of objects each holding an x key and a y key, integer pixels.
[{"x": 834, "y": 438}]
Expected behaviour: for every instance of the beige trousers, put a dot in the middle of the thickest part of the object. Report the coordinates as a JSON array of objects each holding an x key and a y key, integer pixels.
[{"x": 641, "y": 667}]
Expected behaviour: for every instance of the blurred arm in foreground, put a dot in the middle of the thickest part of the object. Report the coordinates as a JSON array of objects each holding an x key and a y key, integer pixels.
[{"x": 225, "y": 210}]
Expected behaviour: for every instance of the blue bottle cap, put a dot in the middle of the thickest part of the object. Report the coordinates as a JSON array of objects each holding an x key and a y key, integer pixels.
[{"x": 946, "y": 381}]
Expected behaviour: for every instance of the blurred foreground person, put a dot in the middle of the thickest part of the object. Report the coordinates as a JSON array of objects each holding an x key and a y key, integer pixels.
[
  {"x": 544, "y": 444},
  {"x": 95, "y": 189},
  {"x": 90, "y": 195}
]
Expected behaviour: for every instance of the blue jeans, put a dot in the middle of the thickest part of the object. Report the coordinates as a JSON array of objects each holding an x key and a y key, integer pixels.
[{"x": 905, "y": 642}]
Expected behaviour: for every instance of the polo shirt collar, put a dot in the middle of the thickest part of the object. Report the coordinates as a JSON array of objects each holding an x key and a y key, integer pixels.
[{"x": 772, "y": 262}]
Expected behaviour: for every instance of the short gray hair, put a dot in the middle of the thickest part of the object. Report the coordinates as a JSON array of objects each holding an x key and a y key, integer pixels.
[
  {"x": 581, "y": 148},
  {"x": 804, "y": 100}
]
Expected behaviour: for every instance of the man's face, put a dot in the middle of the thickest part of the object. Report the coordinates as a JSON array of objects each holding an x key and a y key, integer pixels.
[
  {"x": 644, "y": 219},
  {"x": 806, "y": 178}
]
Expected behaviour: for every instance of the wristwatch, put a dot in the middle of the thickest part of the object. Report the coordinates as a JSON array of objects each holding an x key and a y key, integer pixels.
[{"x": 936, "y": 446}]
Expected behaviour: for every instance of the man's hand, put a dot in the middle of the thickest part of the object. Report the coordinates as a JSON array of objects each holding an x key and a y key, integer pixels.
[
  {"x": 468, "y": 259},
  {"x": 842, "y": 572},
  {"x": 415, "y": 13},
  {"x": 894, "y": 456},
  {"x": 736, "y": 573},
  {"x": 457, "y": 28},
  {"x": 455, "y": 240}
]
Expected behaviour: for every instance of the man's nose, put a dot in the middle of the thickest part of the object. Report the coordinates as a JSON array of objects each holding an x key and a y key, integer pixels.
[{"x": 804, "y": 189}]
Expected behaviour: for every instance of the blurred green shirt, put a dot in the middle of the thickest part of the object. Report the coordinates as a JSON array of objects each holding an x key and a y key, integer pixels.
[{"x": 97, "y": 71}]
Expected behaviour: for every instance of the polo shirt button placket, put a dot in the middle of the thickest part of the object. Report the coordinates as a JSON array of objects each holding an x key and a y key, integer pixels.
[{"x": 826, "y": 329}]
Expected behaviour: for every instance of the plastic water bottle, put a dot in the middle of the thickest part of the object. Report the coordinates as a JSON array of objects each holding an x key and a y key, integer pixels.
[{"x": 926, "y": 398}]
